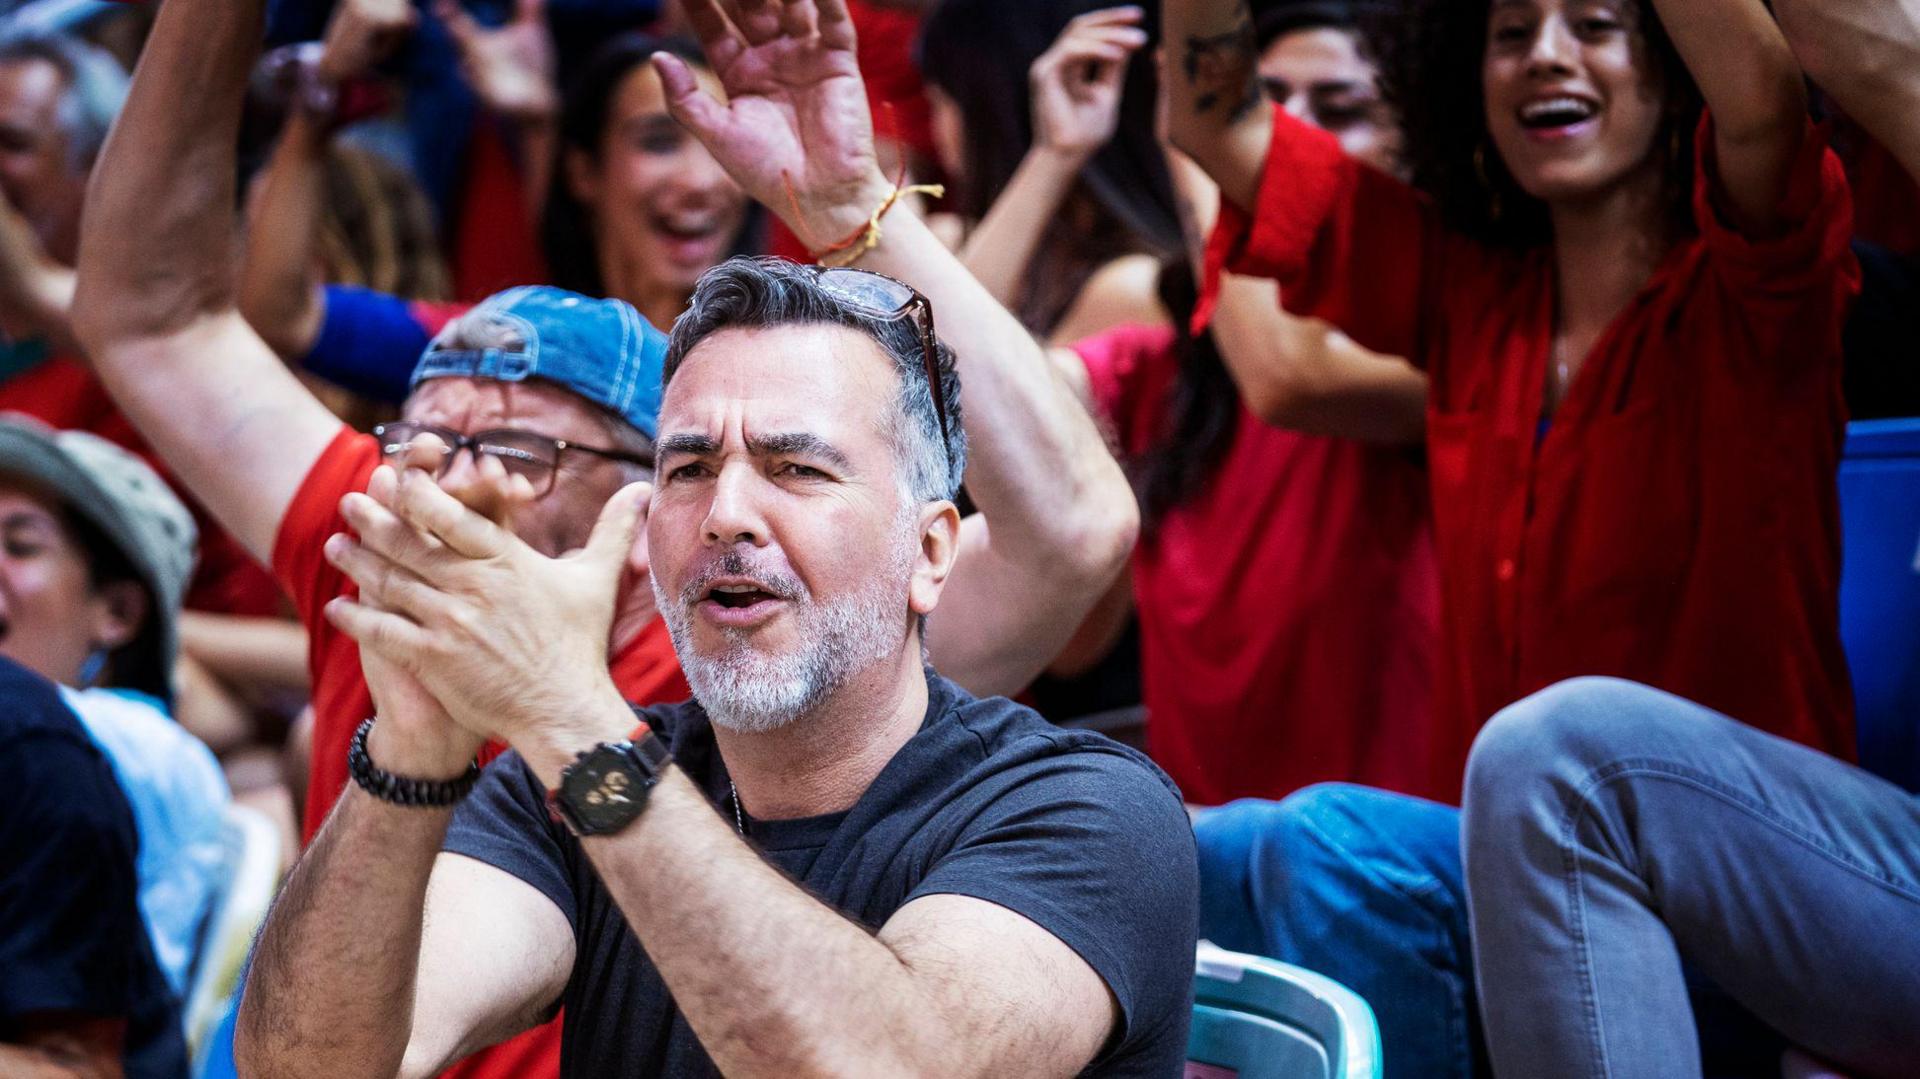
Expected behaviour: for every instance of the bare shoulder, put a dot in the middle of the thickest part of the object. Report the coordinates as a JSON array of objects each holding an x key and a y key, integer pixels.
[{"x": 1124, "y": 292}]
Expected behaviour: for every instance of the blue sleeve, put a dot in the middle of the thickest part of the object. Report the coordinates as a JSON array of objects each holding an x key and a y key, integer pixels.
[{"x": 369, "y": 343}]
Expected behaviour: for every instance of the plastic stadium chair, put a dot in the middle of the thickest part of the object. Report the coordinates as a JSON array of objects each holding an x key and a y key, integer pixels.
[
  {"x": 1880, "y": 592},
  {"x": 1256, "y": 1018},
  {"x": 253, "y": 875}
]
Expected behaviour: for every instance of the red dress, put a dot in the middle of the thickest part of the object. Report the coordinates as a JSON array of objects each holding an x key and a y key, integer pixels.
[
  {"x": 1289, "y": 611},
  {"x": 1677, "y": 524}
]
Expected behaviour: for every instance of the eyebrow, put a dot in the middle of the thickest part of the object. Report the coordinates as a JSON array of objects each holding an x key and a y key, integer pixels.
[{"x": 784, "y": 444}]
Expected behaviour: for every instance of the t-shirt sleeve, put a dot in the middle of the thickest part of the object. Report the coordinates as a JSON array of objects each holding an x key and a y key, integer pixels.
[
  {"x": 313, "y": 515},
  {"x": 1803, "y": 277},
  {"x": 504, "y": 823},
  {"x": 1095, "y": 848},
  {"x": 370, "y": 342},
  {"x": 1346, "y": 242},
  {"x": 73, "y": 938},
  {"x": 1128, "y": 369}
]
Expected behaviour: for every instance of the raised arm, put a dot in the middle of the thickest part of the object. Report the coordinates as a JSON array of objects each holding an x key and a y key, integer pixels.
[
  {"x": 1866, "y": 54},
  {"x": 1217, "y": 114},
  {"x": 280, "y": 283},
  {"x": 1057, "y": 518},
  {"x": 1295, "y": 372},
  {"x": 1075, "y": 86},
  {"x": 1758, "y": 98},
  {"x": 154, "y": 305},
  {"x": 281, "y": 291}
]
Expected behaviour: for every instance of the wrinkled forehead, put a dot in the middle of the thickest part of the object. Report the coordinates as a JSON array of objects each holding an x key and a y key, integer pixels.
[{"x": 822, "y": 378}]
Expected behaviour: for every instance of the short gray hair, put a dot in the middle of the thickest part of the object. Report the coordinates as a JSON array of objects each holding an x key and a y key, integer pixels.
[
  {"x": 753, "y": 293},
  {"x": 96, "y": 85}
]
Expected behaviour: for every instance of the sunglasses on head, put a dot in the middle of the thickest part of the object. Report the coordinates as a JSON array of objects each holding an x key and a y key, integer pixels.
[{"x": 886, "y": 299}]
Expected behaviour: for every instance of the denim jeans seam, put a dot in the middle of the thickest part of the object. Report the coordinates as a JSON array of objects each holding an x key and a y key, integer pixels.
[
  {"x": 1667, "y": 770},
  {"x": 1577, "y": 926}
]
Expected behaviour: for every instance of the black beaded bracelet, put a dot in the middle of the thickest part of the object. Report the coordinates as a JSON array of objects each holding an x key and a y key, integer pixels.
[{"x": 400, "y": 790}]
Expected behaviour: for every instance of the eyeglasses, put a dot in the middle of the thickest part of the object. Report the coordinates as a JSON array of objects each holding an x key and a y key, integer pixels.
[
  {"x": 521, "y": 453},
  {"x": 886, "y": 299}
]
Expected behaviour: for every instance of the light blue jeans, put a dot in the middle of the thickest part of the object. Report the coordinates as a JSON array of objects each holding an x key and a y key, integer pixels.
[
  {"x": 1362, "y": 886},
  {"x": 1611, "y": 829}
]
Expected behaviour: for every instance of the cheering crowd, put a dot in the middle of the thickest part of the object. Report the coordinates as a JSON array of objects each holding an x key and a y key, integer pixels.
[{"x": 841, "y": 537}]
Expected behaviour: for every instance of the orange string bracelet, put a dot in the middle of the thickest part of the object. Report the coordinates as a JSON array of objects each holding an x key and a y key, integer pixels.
[{"x": 851, "y": 248}]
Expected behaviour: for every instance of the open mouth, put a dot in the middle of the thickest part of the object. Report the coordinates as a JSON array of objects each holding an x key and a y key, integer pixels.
[
  {"x": 5, "y": 628},
  {"x": 738, "y": 597},
  {"x": 1556, "y": 114},
  {"x": 687, "y": 228}
]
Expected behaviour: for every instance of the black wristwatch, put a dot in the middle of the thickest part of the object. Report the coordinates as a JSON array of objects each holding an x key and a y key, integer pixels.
[{"x": 606, "y": 787}]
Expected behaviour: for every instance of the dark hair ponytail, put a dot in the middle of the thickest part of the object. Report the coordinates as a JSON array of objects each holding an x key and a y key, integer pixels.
[{"x": 1202, "y": 410}]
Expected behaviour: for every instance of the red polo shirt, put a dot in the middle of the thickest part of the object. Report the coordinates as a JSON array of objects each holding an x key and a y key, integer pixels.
[
  {"x": 1289, "y": 610},
  {"x": 1677, "y": 524},
  {"x": 646, "y": 671}
]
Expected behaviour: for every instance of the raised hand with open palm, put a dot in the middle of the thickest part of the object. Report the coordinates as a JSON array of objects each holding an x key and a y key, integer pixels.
[{"x": 794, "y": 131}]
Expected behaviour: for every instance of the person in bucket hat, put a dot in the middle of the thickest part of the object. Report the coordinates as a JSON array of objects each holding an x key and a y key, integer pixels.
[{"x": 98, "y": 552}]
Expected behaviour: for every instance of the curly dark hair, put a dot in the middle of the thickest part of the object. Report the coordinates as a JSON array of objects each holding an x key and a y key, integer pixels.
[{"x": 1431, "y": 56}]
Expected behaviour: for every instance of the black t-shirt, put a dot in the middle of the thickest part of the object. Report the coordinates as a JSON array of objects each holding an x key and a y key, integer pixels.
[
  {"x": 71, "y": 938},
  {"x": 1075, "y": 832}
]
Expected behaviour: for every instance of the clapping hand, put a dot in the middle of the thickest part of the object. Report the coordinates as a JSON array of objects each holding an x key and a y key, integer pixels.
[
  {"x": 1076, "y": 84},
  {"x": 509, "y": 642}
]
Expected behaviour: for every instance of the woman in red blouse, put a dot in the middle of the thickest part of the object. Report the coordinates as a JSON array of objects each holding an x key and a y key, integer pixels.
[{"x": 1623, "y": 262}]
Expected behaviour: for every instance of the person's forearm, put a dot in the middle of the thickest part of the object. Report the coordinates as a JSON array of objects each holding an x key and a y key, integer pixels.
[
  {"x": 280, "y": 290},
  {"x": 1740, "y": 61},
  {"x": 539, "y": 141},
  {"x": 1755, "y": 91},
  {"x": 1212, "y": 83},
  {"x": 772, "y": 981},
  {"x": 1304, "y": 375},
  {"x": 267, "y": 653},
  {"x": 156, "y": 244},
  {"x": 1001, "y": 247},
  {"x": 1038, "y": 468},
  {"x": 1866, "y": 55},
  {"x": 331, "y": 989}
]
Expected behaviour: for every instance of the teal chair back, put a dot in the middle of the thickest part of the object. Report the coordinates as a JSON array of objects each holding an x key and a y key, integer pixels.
[{"x": 1256, "y": 1018}]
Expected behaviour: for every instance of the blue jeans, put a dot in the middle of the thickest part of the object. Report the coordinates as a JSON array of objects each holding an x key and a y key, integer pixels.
[
  {"x": 1611, "y": 829},
  {"x": 1362, "y": 886}
]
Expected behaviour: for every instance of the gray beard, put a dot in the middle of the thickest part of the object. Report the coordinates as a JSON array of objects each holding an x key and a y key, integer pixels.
[{"x": 748, "y": 691}]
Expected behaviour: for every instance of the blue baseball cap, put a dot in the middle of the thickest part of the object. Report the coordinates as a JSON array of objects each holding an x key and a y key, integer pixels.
[{"x": 603, "y": 350}]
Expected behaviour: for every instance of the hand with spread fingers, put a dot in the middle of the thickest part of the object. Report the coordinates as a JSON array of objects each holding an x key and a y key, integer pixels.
[
  {"x": 510, "y": 642},
  {"x": 794, "y": 131},
  {"x": 1076, "y": 83},
  {"x": 511, "y": 67}
]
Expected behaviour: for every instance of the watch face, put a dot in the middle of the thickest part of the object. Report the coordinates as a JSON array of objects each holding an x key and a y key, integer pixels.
[{"x": 605, "y": 791}]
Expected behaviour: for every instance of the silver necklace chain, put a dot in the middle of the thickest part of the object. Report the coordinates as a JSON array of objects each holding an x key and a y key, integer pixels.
[{"x": 739, "y": 823}]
